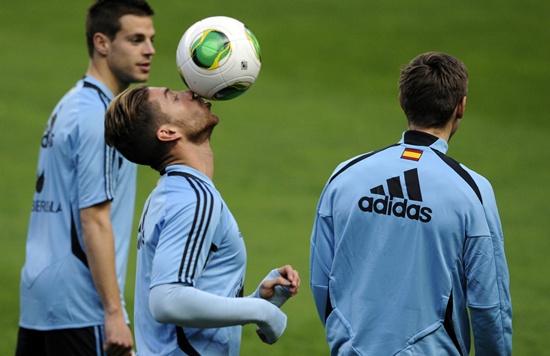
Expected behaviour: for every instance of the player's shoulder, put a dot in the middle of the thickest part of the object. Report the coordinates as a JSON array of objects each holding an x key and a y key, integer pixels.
[
  {"x": 185, "y": 197},
  {"x": 475, "y": 175},
  {"x": 185, "y": 189},
  {"x": 90, "y": 98},
  {"x": 342, "y": 166},
  {"x": 479, "y": 184},
  {"x": 345, "y": 166},
  {"x": 462, "y": 169},
  {"x": 482, "y": 182},
  {"x": 82, "y": 103}
]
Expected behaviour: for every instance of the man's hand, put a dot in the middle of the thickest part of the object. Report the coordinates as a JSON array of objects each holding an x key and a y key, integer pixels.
[
  {"x": 118, "y": 337},
  {"x": 279, "y": 285}
]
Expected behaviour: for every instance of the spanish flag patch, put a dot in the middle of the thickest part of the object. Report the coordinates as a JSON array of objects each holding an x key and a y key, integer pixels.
[{"x": 412, "y": 154}]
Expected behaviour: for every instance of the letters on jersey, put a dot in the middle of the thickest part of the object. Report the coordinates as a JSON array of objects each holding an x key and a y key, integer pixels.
[{"x": 395, "y": 204}]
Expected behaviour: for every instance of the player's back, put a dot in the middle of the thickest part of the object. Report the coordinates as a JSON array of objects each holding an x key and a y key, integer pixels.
[{"x": 401, "y": 217}]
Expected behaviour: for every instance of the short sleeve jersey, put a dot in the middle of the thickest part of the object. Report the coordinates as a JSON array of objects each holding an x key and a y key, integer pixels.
[
  {"x": 76, "y": 170},
  {"x": 187, "y": 235},
  {"x": 404, "y": 240}
]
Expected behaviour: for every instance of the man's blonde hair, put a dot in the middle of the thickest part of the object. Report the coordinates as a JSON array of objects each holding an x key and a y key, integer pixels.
[{"x": 131, "y": 122}]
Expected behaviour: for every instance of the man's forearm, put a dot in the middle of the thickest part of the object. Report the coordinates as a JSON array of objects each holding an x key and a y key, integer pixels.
[
  {"x": 188, "y": 306},
  {"x": 100, "y": 252}
]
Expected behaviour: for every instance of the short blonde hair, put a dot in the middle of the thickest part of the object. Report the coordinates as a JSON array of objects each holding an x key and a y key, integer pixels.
[{"x": 131, "y": 122}]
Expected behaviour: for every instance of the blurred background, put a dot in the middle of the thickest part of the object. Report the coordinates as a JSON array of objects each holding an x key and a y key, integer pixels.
[{"x": 327, "y": 91}]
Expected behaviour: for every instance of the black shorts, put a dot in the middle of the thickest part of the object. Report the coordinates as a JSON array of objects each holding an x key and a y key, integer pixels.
[{"x": 86, "y": 341}]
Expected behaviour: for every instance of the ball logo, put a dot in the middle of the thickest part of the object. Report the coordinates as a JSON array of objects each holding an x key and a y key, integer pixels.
[
  {"x": 209, "y": 50},
  {"x": 255, "y": 43},
  {"x": 232, "y": 91}
]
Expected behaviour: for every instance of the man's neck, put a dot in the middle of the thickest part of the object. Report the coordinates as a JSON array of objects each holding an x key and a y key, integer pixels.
[
  {"x": 443, "y": 133},
  {"x": 199, "y": 157},
  {"x": 100, "y": 70}
]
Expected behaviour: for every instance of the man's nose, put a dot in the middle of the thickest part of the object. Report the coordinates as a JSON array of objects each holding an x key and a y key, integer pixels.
[{"x": 149, "y": 49}]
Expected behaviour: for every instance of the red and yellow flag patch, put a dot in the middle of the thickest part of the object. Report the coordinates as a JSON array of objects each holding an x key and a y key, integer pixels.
[{"x": 412, "y": 154}]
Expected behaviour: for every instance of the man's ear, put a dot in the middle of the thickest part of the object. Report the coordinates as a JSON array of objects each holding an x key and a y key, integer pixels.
[
  {"x": 102, "y": 43},
  {"x": 460, "y": 108},
  {"x": 167, "y": 133}
]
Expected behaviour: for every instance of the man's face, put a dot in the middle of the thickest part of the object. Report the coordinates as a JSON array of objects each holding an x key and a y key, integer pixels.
[
  {"x": 131, "y": 51},
  {"x": 187, "y": 111}
]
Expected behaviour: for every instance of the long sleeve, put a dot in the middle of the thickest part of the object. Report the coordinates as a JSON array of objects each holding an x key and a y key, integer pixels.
[
  {"x": 483, "y": 296},
  {"x": 190, "y": 307},
  {"x": 321, "y": 256},
  {"x": 503, "y": 274},
  {"x": 501, "y": 314}
]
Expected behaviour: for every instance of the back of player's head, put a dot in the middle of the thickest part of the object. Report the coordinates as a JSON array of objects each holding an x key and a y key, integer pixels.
[
  {"x": 104, "y": 15},
  {"x": 131, "y": 124},
  {"x": 430, "y": 88}
]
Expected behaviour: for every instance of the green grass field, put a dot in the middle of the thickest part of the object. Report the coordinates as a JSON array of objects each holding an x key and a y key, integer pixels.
[{"x": 327, "y": 91}]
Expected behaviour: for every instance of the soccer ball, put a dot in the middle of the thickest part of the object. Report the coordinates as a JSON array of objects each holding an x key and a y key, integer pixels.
[{"x": 218, "y": 58}]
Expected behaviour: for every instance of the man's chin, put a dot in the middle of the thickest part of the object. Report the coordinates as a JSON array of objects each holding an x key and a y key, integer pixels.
[
  {"x": 215, "y": 120},
  {"x": 137, "y": 78},
  {"x": 202, "y": 135},
  {"x": 141, "y": 79}
]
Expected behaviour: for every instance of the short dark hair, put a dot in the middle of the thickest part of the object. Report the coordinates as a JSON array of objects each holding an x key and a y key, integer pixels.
[
  {"x": 430, "y": 88},
  {"x": 131, "y": 123},
  {"x": 104, "y": 16}
]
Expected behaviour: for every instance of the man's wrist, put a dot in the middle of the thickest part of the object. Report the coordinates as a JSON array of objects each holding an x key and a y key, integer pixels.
[{"x": 113, "y": 312}]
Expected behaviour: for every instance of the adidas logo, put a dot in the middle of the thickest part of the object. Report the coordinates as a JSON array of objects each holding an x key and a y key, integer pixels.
[{"x": 401, "y": 207}]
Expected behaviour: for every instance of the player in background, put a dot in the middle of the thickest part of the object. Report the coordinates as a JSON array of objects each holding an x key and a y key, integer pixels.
[
  {"x": 77, "y": 244},
  {"x": 191, "y": 256},
  {"x": 406, "y": 239}
]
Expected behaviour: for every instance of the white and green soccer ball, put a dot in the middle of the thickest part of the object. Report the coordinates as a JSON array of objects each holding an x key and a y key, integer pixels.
[{"x": 218, "y": 58}]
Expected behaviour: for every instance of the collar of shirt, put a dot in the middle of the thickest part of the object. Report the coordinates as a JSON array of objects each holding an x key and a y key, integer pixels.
[
  {"x": 186, "y": 170},
  {"x": 100, "y": 85},
  {"x": 419, "y": 138}
]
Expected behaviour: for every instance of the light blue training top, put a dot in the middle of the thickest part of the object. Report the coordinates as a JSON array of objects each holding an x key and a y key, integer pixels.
[
  {"x": 404, "y": 241},
  {"x": 76, "y": 170},
  {"x": 187, "y": 235}
]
